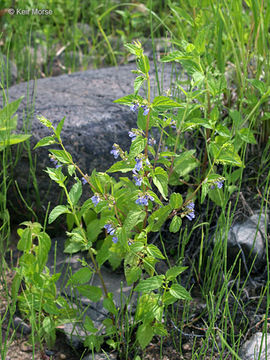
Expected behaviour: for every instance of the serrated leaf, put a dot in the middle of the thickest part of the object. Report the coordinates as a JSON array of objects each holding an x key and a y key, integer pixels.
[
  {"x": 128, "y": 99},
  {"x": 259, "y": 85},
  {"x": 175, "y": 224},
  {"x": 9, "y": 110},
  {"x": 89, "y": 325},
  {"x": 62, "y": 156},
  {"x": 108, "y": 304},
  {"x": 48, "y": 140},
  {"x": 160, "y": 179},
  {"x": 152, "y": 283},
  {"x": 56, "y": 175},
  {"x": 154, "y": 251},
  {"x": 223, "y": 130},
  {"x": 25, "y": 242},
  {"x": 247, "y": 135},
  {"x": 59, "y": 127},
  {"x": 93, "y": 293},
  {"x": 122, "y": 166},
  {"x": 133, "y": 218},
  {"x": 176, "y": 200},
  {"x": 165, "y": 103},
  {"x": 45, "y": 122},
  {"x": 14, "y": 139},
  {"x": 80, "y": 277},
  {"x": 158, "y": 217},
  {"x": 173, "y": 272},
  {"x": 180, "y": 292},
  {"x": 57, "y": 211},
  {"x": 75, "y": 193},
  {"x": 144, "y": 335},
  {"x": 137, "y": 146},
  {"x": 185, "y": 163},
  {"x": 138, "y": 83}
]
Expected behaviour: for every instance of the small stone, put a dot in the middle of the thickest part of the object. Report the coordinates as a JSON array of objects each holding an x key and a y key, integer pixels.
[
  {"x": 62, "y": 356},
  {"x": 186, "y": 347},
  {"x": 251, "y": 349},
  {"x": 25, "y": 347}
]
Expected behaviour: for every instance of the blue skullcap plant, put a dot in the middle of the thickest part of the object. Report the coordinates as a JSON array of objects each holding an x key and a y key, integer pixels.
[{"x": 133, "y": 207}]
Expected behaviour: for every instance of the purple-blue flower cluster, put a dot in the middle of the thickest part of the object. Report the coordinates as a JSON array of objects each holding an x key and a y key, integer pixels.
[
  {"x": 191, "y": 214},
  {"x": 55, "y": 162},
  {"x": 95, "y": 199},
  {"x": 219, "y": 184},
  {"x": 84, "y": 181},
  {"x": 138, "y": 179},
  {"x": 115, "y": 152},
  {"x": 135, "y": 106},
  {"x": 138, "y": 165},
  {"x": 132, "y": 135},
  {"x": 143, "y": 199},
  {"x": 111, "y": 230}
]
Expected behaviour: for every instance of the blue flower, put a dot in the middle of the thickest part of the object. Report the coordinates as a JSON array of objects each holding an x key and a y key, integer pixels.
[
  {"x": 115, "y": 239},
  {"x": 138, "y": 165},
  {"x": 95, "y": 199},
  {"x": 138, "y": 180},
  {"x": 115, "y": 152},
  {"x": 191, "y": 214},
  {"x": 110, "y": 229},
  {"x": 151, "y": 141},
  {"x": 134, "y": 107},
  {"x": 143, "y": 200},
  {"x": 219, "y": 184},
  {"x": 55, "y": 162},
  {"x": 145, "y": 110},
  {"x": 84, "y": 181},
  {"x": 132, "y": 135}
]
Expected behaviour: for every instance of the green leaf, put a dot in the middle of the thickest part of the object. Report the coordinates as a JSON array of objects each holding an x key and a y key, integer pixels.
[
  {"x": 13, "y": 139},
  {"x": 160, "y": 329},
  {"x": 25, "y": 242},
  {"x": 94, "y": 228},
  {"x": 57, "y": 211},
  {"x": 137, "y": 146},
  {"x": 81, "y": 276},
  {"x": 48, "y": 140},
  {"x": 48, "y": 325},
  {"x": 259, "y": 85},
  {"x": 45, "y": 122},
  {"x": 128, "y": 100},
  {"x": 158, "y": 217},
  {"x": 185, "y": 163},
  {"x": 165, "y": 103},
  {"x": 93, "y": 293},
  {"x": 8, "y": 111},
  {"x": 133, "y": 218},
  {"x": 160, "y": 179},
  {"x": 138, "y": 83},
  {"x": 59, "y": 128},
  {"x": 89, "y": 325},
  {"x": 56, "y": 175},
  {"x": 122, "y": 166},
  {"x": 62, "y": 156},
  {"x": 103, "y": 253},
  {"x": 144, "y": 335},
  {"x": 152, "y": 283},
  {"x": 168, "y": 298},
  {"x": 154, "y": 251},
  {"x": 109, "y": 305},
  {"x": 180, "y": 292},
  {"x": 175, "y": 224},
  {"x": 75, "y": 192},
  {"x": 173, "y": 272},
  {"x": 132, "y": 270},
  {"x": 176, "y": 200},
  {"x": 223, "y": 130},
  {"x": 247, "y": 135}
]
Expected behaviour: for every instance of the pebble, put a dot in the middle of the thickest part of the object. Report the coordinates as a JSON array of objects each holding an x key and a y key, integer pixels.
[{"x": 62, "y": 356}]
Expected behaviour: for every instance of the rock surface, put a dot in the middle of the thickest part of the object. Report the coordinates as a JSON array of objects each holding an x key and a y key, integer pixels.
[
  {"x": 93, "y": 121},
  {"x": 250, "y": 238},
  {"x": 251, "y": 349}
]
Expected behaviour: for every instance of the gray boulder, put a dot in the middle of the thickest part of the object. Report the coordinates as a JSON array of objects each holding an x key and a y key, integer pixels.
[
  {"x": 93, "y": 121},
  {"x": 249, "y": 238},
  {"x": 251, "y": 349}
]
